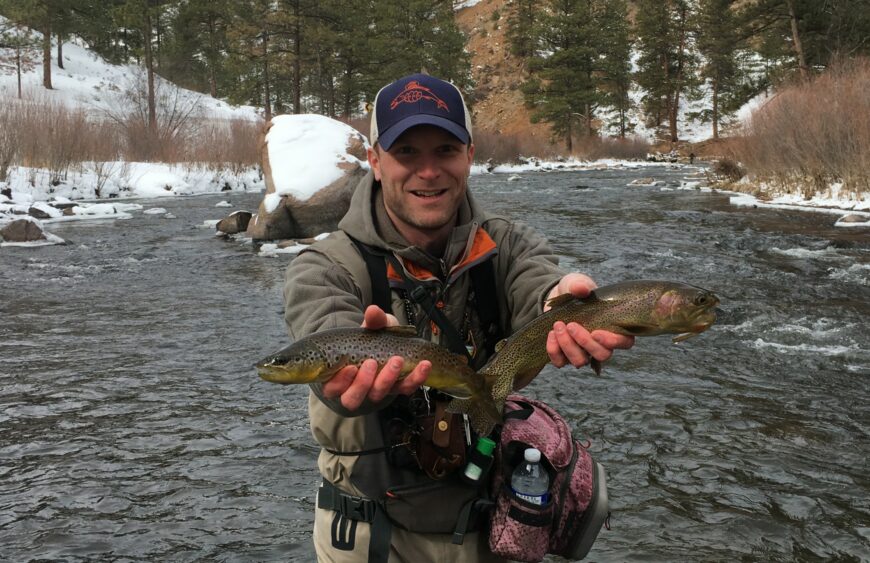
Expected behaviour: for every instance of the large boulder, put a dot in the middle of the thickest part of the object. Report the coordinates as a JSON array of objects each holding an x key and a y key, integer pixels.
[
  {"x": 311, "y": 166},
  {"x": 22, "y": 230}
]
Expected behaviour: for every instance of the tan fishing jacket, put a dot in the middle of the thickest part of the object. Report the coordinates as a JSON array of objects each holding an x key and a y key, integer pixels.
[{"x": 328, "y": 286}]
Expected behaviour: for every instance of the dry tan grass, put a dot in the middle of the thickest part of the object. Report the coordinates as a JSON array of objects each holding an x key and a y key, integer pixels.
[
  {"x": 40, "y": 133},
  {"x": 813, "y": 134}
]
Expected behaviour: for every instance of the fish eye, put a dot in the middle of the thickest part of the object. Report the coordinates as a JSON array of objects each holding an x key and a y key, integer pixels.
[{"x": 701, "y": 299}]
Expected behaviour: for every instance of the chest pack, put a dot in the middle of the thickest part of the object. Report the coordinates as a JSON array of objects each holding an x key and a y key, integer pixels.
[{"x": 577, "y": 507}]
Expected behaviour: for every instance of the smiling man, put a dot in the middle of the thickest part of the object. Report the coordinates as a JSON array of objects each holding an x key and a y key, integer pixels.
[{"x": 416, "y": 249}]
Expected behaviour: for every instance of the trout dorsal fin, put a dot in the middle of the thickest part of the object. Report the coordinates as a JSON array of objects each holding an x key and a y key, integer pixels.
[
  {"x": 560, "y": 300},
  {"x": 404, "y": 331},
  {"x": 500, "y": 344}
]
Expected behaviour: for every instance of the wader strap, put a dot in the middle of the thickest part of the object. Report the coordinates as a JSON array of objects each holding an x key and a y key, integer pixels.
[
  {"x": 377, "y": 268},
  {"x": 330, "y": 497},
  {"x": 486, "y": 299},
  {"x": 375, "y": 261},
  {"x": 463, "y": 523}
]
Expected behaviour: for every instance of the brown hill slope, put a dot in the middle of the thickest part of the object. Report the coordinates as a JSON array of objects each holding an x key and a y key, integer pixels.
[{"x": 498, "y": 104}]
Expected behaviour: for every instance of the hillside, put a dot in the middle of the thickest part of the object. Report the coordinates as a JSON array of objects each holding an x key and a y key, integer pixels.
[
  {"x": 498, "y": 102},
  {"x": 91, "y": 83}
]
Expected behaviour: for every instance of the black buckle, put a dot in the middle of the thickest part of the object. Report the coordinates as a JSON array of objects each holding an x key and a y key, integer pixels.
[
  {"x": 357, "y": 508},
  {"x": 419, "y": 294}
]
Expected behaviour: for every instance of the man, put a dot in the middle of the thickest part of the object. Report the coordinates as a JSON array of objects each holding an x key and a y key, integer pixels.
[{"x": 415, "y": 240}]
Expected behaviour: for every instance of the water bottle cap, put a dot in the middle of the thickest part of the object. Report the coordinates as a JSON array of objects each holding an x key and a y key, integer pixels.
[
  {"x": 485, "y": 446},
  {"x": 532, "y": 455}
]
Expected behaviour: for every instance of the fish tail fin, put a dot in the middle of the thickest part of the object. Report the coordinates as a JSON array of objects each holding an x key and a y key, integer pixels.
[{"x": 482, "y": 409}]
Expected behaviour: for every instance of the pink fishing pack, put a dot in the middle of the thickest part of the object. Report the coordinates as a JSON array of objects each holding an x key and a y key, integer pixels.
[{"x": 569, "y": 522}]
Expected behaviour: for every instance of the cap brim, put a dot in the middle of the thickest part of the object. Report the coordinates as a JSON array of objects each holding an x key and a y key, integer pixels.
[{"x": 388, "y": 137}]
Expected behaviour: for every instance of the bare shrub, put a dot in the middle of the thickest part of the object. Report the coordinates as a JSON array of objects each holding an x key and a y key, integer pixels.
[
  {"x": 501, "y": 148},
  {"x": 10, "y": 131},
  {"x": 223, "y": 143},
  {"x": 176, "y": 110},
  {"x": 728, "y": 169},
  {"x": 48, "y": 135},
  {"x": 593, "y": 148},
  {"x": 813, "y": 134}
]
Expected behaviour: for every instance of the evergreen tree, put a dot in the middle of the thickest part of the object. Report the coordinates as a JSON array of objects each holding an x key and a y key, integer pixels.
[
  {"x": 808, "y": 34},
  {"x": 255, "y": 51},
  {"x": 521, "y": 25},
  {"x": 567, "y": 84},
  {"x": 616, "y": 59},
  {"x": 717, "y": 41},
  {"x": 408, "y": 36},
  {"x": 18, "y": 49},
  {"x": 666, "y": 65},
  {"x": 195, "y": 52}
]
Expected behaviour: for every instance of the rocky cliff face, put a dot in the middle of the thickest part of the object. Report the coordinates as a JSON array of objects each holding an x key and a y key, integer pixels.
[{"x": 498, "y": 104}]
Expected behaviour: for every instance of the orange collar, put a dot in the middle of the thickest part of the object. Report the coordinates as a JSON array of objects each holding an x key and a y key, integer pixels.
[{"x": 482, "y": 247}]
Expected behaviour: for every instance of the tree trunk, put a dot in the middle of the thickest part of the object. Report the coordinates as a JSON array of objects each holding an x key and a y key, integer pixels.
[
  {"x": 568, "y": 140},
  {"x": 46, "y": 52},
  {"x": 18, "y": 67},
  {"x": 149, "y": 67},
  {"x": 678, "y": 79},
  {"x": 212, "y": 63},
  {"x": 588, "y": 120},
  {"x": 796, "y": 38},
  {"x": 297, "y": 63},
  {"x": 59, "y": 51},
  {"x": 715, "y": 109},
  {"x": 622, "y": 123},
  {"x": 267, "y": 94}
]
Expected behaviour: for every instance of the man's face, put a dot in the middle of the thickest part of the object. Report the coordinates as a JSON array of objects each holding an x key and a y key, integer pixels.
[{"x": 424, "y": 177}]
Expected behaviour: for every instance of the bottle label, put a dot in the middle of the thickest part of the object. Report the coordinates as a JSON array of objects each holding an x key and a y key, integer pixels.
[{"x": 533, "y": 499}]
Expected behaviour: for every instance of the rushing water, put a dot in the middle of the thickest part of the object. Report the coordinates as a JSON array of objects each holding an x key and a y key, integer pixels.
[{"x": 133, "y": 427}]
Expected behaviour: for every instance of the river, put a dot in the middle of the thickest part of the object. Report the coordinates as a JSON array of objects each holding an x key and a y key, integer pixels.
[{"x": 133, "y": 426}]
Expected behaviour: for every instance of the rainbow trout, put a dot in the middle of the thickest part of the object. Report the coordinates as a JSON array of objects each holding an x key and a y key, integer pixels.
[
  {"x": 633, "y": 308},
  {"x": 318, "y": 357}
]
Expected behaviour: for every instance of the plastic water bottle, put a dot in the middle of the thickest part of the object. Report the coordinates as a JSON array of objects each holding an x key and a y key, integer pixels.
[
  {"x": 485, "y": 446},
  {"x": 530, "y": 480}
]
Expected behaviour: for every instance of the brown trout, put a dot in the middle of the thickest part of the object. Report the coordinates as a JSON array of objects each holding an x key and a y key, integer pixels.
[
  {"x": 318, "y": 357},
  {"x": 633, "y": 308}
]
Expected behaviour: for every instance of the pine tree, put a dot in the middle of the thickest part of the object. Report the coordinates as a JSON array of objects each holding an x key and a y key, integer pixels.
[
  {"x": 409, "y": 36},
  {"x": 616, "y": 59},
  {"x": 18, "y": 49},
  {"x": 566, "y": 83},
  {"x": 717, "y": 42},
  {"x": 808, "y": 34},
  {"x": 666, "y": 65},
  {"x": 196, "y": 45},
  {"x": 521, "y": 24}
]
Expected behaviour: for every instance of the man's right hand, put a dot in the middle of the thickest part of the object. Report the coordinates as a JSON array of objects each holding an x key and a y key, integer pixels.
[{"x": 355, "y": 385}]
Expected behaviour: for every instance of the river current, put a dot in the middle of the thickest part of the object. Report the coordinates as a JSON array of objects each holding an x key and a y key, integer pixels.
[{"x": 133, "y": 426}]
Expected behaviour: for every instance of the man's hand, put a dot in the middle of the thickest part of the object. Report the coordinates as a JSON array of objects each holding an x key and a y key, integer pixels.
[
  {"x": 571, "y": 343},
  {"x": 355, "y": 385}
]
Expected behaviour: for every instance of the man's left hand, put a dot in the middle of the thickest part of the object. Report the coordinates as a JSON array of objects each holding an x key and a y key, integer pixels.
[{"x": 571, "y": 343}]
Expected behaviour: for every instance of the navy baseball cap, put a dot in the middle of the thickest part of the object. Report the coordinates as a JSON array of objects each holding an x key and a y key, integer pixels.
[{"x": 418, "y": 99}]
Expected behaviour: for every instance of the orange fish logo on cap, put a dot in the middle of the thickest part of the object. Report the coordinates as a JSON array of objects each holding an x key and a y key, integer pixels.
[{"x": 414, "y": 92}]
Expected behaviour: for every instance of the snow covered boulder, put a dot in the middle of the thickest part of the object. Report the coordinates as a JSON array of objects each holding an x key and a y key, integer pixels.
[
  {"x": 22, "y": 230},
  {"x": 311, "y": 165},
  {"x": 235, "y": 222}
]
